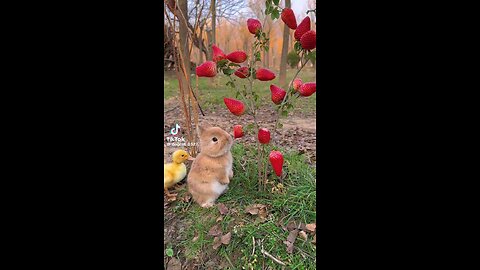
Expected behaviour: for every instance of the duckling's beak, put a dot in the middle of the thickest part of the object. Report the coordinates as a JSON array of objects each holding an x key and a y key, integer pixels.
[{"x": 191, "y": 158}]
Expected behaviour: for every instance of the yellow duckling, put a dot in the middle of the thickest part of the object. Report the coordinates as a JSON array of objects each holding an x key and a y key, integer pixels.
[{"x": 174, "y": 172}]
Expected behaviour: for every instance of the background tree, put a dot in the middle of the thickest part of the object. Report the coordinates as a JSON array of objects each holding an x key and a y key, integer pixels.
[{"x": 283, "y": 60}]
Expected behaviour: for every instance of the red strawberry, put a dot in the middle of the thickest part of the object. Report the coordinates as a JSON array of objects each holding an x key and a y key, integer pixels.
[
  {"x": 277, "y": 94},
  {"x": 264, "y": 74},
  {"x": 297, "y": 83},
  {"x": 288, "y": 17},
  {"x": 264, "y": 135},
  {"x": 218, "y": 54},
  {"x": 309, "y": 40},
  {"x": 207, "y": 69},
  {"x": 276, "y": 159},
  {"x": 302, "y": 28},
  {"x": 237, "y": 56},
  {"x": 307, "y": 89},
  {"x": 254, "y": 25},
  {"x": 237, "y": 131},
  {"x": 234, "y": 106},
  {"x": 242, "y": 72}
]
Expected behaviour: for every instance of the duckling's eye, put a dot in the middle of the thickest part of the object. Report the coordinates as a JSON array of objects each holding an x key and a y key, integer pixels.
[
  {"x": 183, "y": 155},
  {"x": 214, "y": 139}
]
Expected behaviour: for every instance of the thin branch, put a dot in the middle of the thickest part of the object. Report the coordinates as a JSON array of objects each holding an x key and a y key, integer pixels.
[{"x": 271, "y": 257}]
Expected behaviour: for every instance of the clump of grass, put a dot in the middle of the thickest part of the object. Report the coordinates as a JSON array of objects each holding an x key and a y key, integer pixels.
[{"x": 296, "y": 202}]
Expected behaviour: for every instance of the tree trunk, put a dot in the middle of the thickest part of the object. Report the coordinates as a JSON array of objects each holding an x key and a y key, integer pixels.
[
  {"x": 211, "y": 34},
  {"x": 209, "y": 42},
  {"x": 183, "y": 29},
  {"x": 283, "y": 60},
  {"x": 214, "y": 20}
]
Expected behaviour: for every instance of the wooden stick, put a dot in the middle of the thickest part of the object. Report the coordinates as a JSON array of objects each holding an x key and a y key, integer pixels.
[
  {"x": 253, "y": 240},
  {"x": 271, "y": 257}
]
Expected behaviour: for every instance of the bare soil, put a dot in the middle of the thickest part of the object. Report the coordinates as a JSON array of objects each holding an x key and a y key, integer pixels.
[{"x": 298, "y": 132}]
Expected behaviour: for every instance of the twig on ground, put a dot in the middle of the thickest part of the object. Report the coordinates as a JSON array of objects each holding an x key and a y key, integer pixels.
[
  {"x": 253, "y": 240},
  {"x": 271, "y": 257},
  {"x": 190, "y": 203},
  {"x": 170, "y": 109},
  {"x": 304, "y": 252}
]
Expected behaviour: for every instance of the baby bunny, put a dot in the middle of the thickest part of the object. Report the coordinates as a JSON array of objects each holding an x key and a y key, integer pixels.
[{"x": 211, "y": 170}]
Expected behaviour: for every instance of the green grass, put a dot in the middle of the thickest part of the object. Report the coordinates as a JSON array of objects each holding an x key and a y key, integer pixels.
[
  {"x": 297, "y": 202},
  {"x": 212, "y": 94}
]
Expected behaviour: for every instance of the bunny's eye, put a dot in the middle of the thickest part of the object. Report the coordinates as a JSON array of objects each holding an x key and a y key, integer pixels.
[{"x": 214, "y": 139}]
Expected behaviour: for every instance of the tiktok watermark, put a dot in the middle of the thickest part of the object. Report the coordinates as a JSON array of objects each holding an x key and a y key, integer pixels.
[{"x": 174, "y": 140}]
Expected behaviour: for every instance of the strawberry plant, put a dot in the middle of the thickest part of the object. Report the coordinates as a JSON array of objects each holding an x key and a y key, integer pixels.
[{"x": 243, "y": 70}]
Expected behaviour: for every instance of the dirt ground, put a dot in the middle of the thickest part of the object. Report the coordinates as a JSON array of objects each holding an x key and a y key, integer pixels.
[{"x": 298, "y": 132}]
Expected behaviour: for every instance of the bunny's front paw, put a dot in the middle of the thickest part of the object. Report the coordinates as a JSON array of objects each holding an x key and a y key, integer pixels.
[{"x": 207, "y": 205}]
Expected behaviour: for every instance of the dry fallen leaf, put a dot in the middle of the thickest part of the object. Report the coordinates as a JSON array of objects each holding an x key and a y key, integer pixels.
[
  {"x": 174, "y": 264},
  {"x": 220, "y": 218},
  {"x": 257, "y": 209},
  {"x": 216, "y": 242},
  {"x": 226, "y": 238},
  {"x": 289, "y": 246},
  {"x": 262, "y": 213},
  {"x": 171, "y": 198},
  {"x": 195, "y": 238},
  {"x": 215, "y": 230},
  {"x": 303, "y": 235},
  {"x": 186, "y": 198},
  {"x": 252, "y": 210},
  {"x": 222, "y": 208},
  {"x": 292, "y": 225},
  {"x": 290, "y": 240},
  {"x": 302, "y": 226},
  {"x": 292, "y": 236},
  {"x": 311, "y": 227}
]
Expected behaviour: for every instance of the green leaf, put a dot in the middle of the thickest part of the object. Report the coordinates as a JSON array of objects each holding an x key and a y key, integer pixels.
[
  {"x": 268, "y": 7},
  {"x": 228, "y": 71},
  {"x": 276, "y": 2},
  {"x": 233, "y": 64},
  {"x": 289, "y": 106},
  {"x": 257, "y": 56},
  {"x": 237, "y": 95},
  {"x": 275, "y": 14},
  {"x": 298, "y": 46},
  {"x": 169, "y": 252},
  {"x": 285, "y": 113},
  {"x": 221, "y": 63},
  {"x": 312, "y": 55},
  {"x": 280, "y": 125}
]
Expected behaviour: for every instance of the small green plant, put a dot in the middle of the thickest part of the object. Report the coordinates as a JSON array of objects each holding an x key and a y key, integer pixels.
[
  {"x": 169, "y": 252},
  {"x": 293, "y": 59}
]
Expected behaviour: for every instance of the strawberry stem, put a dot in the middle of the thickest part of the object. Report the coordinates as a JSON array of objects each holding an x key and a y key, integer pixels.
[{"x": 287, "y": 97}]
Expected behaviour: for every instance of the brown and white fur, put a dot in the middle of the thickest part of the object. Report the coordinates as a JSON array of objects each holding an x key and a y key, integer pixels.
[{"x": 211, "y": 171}]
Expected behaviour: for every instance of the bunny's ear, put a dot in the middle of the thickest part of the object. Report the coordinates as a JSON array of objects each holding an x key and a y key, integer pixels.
[{"x": 202, "y": 127}]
